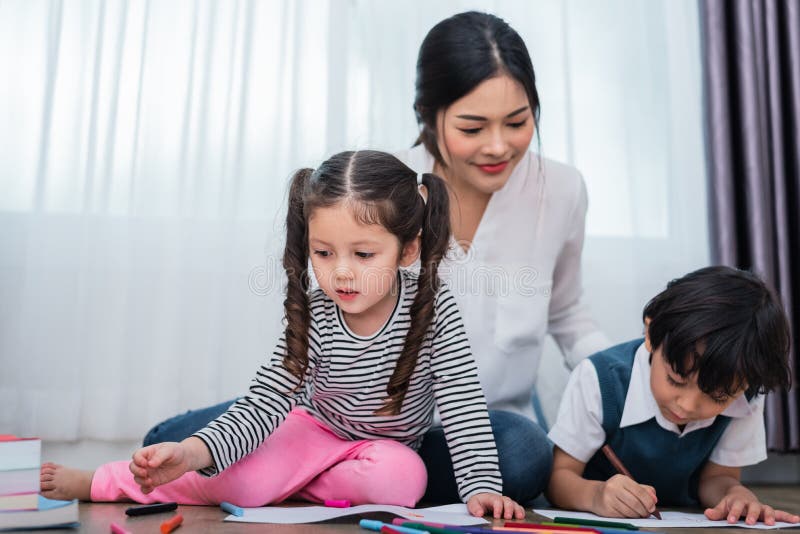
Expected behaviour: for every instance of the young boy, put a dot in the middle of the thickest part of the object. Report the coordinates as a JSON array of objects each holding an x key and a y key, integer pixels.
[{"x": 682, "y": 408}]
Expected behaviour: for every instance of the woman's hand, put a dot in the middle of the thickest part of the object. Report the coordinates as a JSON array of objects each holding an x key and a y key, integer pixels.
[
  {"x": 164, "y": 462},
  {"x": 499, "y": 506},
  {"x": 621, "y": 496},
  {"x": 740, "y": 502}
]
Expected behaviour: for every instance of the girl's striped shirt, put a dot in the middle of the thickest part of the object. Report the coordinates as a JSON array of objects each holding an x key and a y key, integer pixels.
[{"x": 346, "y": 383}]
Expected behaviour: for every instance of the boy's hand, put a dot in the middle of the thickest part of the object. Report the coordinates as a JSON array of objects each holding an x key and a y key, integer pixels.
[
  {"x": 620, "y": 496},
  {"x": 741, "y": 502},
  {"x": 158, "y": 464},
  {"x": 499, "y": 506}
]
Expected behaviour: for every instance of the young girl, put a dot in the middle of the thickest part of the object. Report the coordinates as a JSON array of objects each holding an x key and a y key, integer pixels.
[
  {"x": 682, "y": 408},
  {"x": 515, "y": 213},
  {"x": 351, "y": 388}
]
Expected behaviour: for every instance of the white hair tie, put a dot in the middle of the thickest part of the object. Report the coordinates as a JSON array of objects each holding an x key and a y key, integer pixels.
[{"x": 423, "y": 191}]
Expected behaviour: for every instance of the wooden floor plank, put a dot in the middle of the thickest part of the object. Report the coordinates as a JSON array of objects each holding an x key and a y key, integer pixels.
[{"x": 96, "y": 518}]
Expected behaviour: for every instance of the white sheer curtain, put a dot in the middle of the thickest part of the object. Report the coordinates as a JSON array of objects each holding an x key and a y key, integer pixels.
[{"x": 145, "y": 148}]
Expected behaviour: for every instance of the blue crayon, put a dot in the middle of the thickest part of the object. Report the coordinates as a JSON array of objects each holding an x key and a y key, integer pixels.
[
  {"x": 371, "y": 524},
  {"x": 232, "y": 509}
]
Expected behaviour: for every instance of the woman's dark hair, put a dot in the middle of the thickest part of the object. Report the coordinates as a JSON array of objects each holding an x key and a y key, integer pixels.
[
  {"x": 724, "y": 324},
  {"x": 381, "y": 190},
  {"x": 456, "y": 56}
]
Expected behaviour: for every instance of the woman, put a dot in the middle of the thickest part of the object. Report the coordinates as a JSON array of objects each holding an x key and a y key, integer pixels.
[{"x": 518, "y": 228}]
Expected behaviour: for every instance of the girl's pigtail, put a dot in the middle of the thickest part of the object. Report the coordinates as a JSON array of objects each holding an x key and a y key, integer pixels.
[
  {"x": 295, "y": 262},
  {"x": 435, "y": 241}
]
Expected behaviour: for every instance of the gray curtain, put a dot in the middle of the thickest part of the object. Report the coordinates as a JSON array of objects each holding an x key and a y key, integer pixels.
[{"x": 751, "y": 55}]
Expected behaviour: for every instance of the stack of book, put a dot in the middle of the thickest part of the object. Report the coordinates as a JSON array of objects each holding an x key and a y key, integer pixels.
[
  {"x": 21, "y": 506},
  {"x": 19, "y": 473}
]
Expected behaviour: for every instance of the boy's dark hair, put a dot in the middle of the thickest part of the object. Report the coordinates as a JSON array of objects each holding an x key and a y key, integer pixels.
[
  {"x": 456, "y": 56},
  {"x": 381, "y": 190},
  {"x": 725, "y": 324}
]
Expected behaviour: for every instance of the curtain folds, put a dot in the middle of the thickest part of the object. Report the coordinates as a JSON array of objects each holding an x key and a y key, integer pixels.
[
  {"x": 751, "y": 52},
  {"x": 146, "y": 146}
]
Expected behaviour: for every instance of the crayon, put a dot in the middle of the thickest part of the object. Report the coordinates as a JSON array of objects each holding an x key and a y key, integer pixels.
[
  {"x": 575, "y": 528},
  {"x": 171, "y": 524},
  {"x": 594, "y": 523},
  {"x": 337, "y": 503},
  {"x": 444, "y": 529},
  {"x": 621, "y": 469},
  {"x": 473, "y": 529},
  {"x": 151, "y": 508},
  {"x": 550, "y": 526},
  {"x": 371, "y": 524},
  {"x": 116, "y": 529},
  {"x": 231, "y": 509}
]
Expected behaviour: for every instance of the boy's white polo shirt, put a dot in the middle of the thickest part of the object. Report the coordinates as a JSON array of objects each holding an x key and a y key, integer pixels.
[{"x": 579, "y": 432}]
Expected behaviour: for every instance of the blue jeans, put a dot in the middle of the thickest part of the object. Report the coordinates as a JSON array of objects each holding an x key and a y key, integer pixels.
[{"x": 525, "y": 453}]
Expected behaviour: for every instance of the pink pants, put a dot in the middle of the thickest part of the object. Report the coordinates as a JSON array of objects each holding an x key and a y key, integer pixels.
[{"x": 302, "y": 459}]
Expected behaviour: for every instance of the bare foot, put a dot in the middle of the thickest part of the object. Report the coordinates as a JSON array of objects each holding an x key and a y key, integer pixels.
[{"x": 64, "y": 483}]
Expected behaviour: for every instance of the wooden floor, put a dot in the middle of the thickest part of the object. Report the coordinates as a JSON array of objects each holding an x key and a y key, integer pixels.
[{"x": 96, "y": 518}]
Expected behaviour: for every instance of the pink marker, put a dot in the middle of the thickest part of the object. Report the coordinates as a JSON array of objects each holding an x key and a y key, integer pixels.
[
  {"x": 337, "y": 503},
  {"x": 116, "y": 529}
]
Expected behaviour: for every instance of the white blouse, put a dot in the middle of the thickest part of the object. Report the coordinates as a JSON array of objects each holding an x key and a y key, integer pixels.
[{"x": 521, "y": 277}]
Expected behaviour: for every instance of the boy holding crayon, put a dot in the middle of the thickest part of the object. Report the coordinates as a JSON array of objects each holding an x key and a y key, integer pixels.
[{"x": 682, "y": 408}]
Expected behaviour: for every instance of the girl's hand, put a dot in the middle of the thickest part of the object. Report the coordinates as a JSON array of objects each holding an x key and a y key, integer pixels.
[
  {"x": 158, "y": 464},
  {"x": 499, "y": 506},
  {"x": 620, "y": 496},
  {"x": 741, "y": 502}
]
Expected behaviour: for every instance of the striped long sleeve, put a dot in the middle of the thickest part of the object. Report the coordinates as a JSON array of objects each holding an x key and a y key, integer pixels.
[
  {"x": 462, "y": 405},
  {"x": 346, "y": 384}
]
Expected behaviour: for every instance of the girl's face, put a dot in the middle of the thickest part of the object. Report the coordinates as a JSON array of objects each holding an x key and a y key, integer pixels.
[
  {"x": 356, "y": 264},
  {"x": 483, "y": 135}
]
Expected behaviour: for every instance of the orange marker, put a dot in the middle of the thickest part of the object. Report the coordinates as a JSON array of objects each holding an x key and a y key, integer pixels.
[{"x": 171, "y": 524}]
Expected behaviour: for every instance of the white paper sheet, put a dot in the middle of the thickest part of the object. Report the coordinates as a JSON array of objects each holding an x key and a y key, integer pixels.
[
  {"x": 668, "y": 520},
  {"x": 450, "y": 514}
]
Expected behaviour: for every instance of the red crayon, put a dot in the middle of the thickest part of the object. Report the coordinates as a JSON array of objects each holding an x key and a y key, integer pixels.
[{"x": 171, "y": 524}]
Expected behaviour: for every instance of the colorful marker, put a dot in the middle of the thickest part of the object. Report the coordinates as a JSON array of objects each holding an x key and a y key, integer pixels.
[
  {"x": 116, "y": 529},
  {"x": 372, "y": 524},
  {"x": 231, "y": 509},
  {"x": 594, "y": 523},
  {"x": 471, "y": 529},
  {"x": 171, "y": 524},
  {"x": 575, "y": 528},
  {"x": 543, "y": 530},
  {"x": 549, "y": 526},
  {"x": 444, "y": 529},
  {"x": 337, "y": 503},
  {"x": 152, "y": 508}
]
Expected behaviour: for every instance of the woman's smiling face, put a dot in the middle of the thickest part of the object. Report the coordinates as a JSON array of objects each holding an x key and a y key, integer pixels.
[{"x": 484, "y": 134}]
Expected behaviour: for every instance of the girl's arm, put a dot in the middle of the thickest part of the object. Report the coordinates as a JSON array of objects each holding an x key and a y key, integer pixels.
[
  {"x": 248, "y": 422},
  {"x": 721, "y": 491},
  {"x": 228, "y": 438},
  {"x": 465, "y": 418},
  {"x": 619, "y": 496},
  {"x": 164, "y": 462}
]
